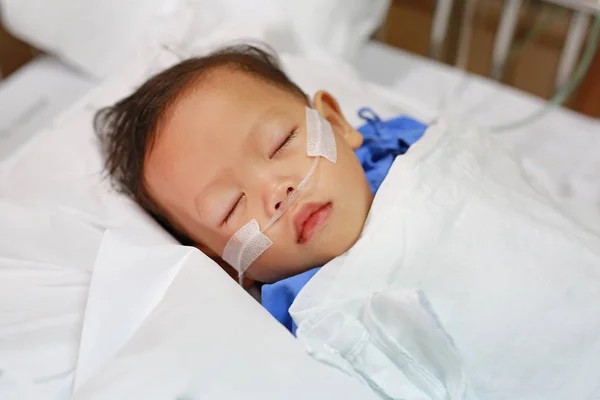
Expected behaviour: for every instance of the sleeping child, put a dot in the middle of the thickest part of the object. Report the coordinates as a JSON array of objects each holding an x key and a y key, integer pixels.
[
  {"x": 214, "y": 141},
  {"x": 458, "y": 280}
]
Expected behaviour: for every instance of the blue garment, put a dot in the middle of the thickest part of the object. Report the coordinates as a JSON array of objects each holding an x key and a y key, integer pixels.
[{"x": 383, "y": 141}]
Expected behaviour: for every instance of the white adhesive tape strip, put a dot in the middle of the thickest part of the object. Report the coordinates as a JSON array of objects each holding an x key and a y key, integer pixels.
[
  {"x": 320, "y": 140},
  {"x": 245, "y": 246},
  {"x": 249, "y": 242}
]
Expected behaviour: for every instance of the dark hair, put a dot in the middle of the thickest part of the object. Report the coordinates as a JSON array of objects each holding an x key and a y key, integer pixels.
[{"x": 128, "y": 128}]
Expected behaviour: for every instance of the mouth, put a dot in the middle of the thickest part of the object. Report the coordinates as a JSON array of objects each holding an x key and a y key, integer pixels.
[{"x": 310, "y": 219}]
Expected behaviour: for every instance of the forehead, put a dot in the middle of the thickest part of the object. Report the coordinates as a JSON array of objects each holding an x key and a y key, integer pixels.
[{"x": 219, "y": 105}]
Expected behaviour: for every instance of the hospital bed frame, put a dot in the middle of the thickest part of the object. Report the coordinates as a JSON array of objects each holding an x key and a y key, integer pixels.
[{"x": 575, "y": 38}]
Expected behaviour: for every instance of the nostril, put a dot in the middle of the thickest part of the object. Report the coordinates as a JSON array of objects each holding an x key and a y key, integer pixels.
[{"x": 289, "y": 191}]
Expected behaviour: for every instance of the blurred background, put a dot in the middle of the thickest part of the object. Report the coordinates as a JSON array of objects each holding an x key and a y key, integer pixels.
[
  {"x": 541, "y": 31},
  {"x": 542, "y": 42}
]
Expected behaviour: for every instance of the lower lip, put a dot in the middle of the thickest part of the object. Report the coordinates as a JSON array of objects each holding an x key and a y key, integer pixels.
[{"x": 314, "y": 223}]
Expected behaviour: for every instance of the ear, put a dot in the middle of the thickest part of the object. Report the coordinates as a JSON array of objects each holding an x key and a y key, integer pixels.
[
  {"x": 247, "y": 283},
  {"x": 329, "y": 108}
]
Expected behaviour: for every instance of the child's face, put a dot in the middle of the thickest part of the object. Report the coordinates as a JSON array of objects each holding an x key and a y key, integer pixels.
[{"x": 232, "y": 149}]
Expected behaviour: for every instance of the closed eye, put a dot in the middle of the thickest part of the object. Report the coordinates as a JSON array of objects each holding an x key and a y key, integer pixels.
[
  {"x": 285, "y": 142},
  {"x": 233, "y": 209}
]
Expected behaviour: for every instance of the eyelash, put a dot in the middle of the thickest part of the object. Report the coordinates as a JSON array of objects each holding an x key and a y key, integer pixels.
[
  {"x": 233, "y": 209},
  {"x": 287, "y": 141}
]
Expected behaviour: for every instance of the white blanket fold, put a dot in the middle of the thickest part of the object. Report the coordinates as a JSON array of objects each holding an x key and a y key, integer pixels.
[{"x": 466, "y": 283}]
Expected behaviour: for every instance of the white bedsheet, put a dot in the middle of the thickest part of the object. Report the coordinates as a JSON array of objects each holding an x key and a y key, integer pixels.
[
  {"x": 58, "y": 207},
  {"x": 467, "y": 282},
  {"x": 192, "y": 332}
]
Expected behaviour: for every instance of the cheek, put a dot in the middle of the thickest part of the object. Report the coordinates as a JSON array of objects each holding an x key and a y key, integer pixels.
[{"x": 344, "y": 176}]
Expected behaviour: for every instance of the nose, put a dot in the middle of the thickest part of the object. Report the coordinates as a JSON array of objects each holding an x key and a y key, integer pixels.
[
  {"x": 288, "y": 192},
  {"x": 275, "y": 197}
]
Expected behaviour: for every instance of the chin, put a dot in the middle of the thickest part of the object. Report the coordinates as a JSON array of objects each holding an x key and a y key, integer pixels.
[
  {"x": 342, "y": 244},
  {"x": 278, "y": 274}
]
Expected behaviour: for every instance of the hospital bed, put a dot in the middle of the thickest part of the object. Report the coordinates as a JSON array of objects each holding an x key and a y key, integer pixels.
[{"x": 98, "y": 303}]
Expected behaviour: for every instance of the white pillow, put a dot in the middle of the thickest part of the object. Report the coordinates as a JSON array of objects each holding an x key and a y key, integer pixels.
[
  {"x": 98, "y": 36},
  {"x": 95, "y": 36},
  {"x": 335, "y": 27}
]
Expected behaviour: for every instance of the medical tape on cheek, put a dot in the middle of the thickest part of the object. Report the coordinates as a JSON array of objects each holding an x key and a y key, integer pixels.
[
  {"x": 245, "y": 246},
  {"x": 249, "y": 242},
  {"x": 320, "y": 140}
]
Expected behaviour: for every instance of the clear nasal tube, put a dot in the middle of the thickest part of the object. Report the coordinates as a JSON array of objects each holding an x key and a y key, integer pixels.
[
  {"x": 249, "y": 242},
  {"x": 293, "y": 196}
]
